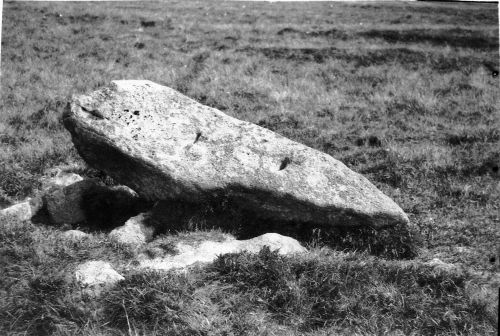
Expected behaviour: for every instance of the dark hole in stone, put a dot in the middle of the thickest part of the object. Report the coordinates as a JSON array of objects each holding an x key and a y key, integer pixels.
[
  {"x": 494, "y": 73},
  {"x": 126, "y": 110},
  {"x": 492, "y": 259},
  {"x": 495, "y": 168},
  {"x": 106, "y": 208},
  {"x": 136, "y": 112},
  {"x": 285, "y": 163},
  {"x": 198, "y": 135}
]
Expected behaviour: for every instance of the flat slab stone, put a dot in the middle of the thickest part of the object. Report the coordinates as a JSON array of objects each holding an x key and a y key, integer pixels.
[
  {"x": 208, "y": 251},
  {"x": 167, "y": 146}
]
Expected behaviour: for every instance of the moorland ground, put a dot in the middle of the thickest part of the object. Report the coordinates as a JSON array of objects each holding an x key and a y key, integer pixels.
[{"x": 404, "y": 93}]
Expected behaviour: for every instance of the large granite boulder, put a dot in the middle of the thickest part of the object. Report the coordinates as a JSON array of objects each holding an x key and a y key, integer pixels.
[{"x": 165, "y": 145}]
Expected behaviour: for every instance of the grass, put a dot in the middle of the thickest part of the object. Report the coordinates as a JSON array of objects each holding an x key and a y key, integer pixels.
[
  {"x": 239, "y": 294},
  {"x": 404, "y": 93}
]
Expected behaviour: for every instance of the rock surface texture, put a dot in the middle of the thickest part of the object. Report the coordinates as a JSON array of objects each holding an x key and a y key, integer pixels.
[
  {"x": 208, "y": 251},
  {"x": 65, "y": 204},
  {"x": 60, "y": 178},
  {"x": 165, "y": 145},
  {"x": 96, "y": 272},
  {"x": 88, "y": 200},
  {"x": 75, "y": 235},
  {"x": 20, "y": 211},
  {"x": 134, "y": 232}
]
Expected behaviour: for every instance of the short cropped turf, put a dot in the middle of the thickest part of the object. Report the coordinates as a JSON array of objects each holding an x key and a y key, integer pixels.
[{"x": 404, "y": 93}]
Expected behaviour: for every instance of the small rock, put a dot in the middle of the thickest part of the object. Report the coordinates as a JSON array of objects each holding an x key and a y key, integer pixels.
[
  {"x": 93, "y": 273},
  {"x": 21, "y": 211},
  {"x": 134, "y": 232},
  {"x": 125, "y": 190},
  {"x": 75, "y": 235},
  {"x": 65, "y": 204},
  {"x": 88, "y": 201},
  {"x": 208, "y": 251},
  {"x": 285, "y": 245}
]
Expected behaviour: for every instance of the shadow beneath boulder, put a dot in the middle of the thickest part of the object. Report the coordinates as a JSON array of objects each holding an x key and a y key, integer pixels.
[
  {"x": 106, "y": 207},
  {"x": 168, "y": 217},
  {"x": 99, "y": 207},
  {"x": 92, "y": 206},
  {"x": 42, "y": 216}
]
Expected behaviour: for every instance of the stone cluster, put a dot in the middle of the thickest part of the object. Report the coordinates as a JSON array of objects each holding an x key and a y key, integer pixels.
[{"x": 175, "y": 158}]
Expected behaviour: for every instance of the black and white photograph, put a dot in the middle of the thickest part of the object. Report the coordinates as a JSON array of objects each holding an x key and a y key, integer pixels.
[{"x": 240, "y": 168}]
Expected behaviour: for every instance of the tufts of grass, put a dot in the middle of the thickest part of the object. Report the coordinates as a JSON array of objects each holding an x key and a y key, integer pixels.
[
  {"x": 457, "y": 37},
  {"x": 366, "y": 295},
  {"x": 239, "y": 293},
  {"x": 468, "y": 136},
  {"x": 390, "y": 243},
  {"x": 49, "y": 304},
  {"x": 38, "y": 295},
  {"x": 408, "y": 58},
  {"x": 154, "y": 302}
]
